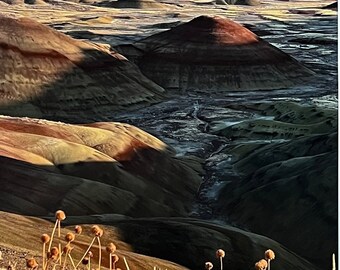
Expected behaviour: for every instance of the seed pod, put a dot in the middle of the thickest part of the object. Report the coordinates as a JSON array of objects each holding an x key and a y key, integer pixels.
[
  {"x": 261, "y": 265},
  {"x": 85, "y": 261},
  {"x": 69, "y": 237},
  {"x": 31, "y": 263},
  {"x": 269, "y": 254},
  {"x": 97, "y": 231},
  {"x": 67, "y": 249},
  {"x": 78, "y": 229},
  {"x": 111, "y": 248},
  {"x": 209, "y": 266},
  {"x": 220, "y": 253},
  {"x": 45, "y": 238},
  {"x": 54, "y": 251},
  {"x": 60, "y": 215}
]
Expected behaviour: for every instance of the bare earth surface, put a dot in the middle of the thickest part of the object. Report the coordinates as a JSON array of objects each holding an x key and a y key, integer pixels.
[{"x": 289, "y": 134}]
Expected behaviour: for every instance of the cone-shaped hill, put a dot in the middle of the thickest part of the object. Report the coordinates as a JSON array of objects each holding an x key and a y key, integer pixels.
[
  {"x": 48, "y": 74},
  {"x": 216, "y": 54},
  {"x": 98, "y": 168}
]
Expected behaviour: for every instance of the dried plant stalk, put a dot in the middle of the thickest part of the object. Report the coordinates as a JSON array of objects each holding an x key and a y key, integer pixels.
[
  {"x": 126, "y": 264},
  {"x": 52, "y": 235},
  {"x": 100, "y": 252},
  {"x": 91, "y": 244}
]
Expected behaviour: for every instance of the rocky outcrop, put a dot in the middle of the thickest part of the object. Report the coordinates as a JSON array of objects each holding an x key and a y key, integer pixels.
[
  {"x": 47, "y": 74},
  {"x": 212, "y": 54},
  {"x": 287, "y": 177},
  {"x": 98, "y": 168}
]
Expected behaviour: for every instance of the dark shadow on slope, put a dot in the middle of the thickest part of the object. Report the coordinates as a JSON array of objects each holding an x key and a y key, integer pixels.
[
  {"x": 47, "y": 74},
  {"x": 87, "y": 90},
  {"x": 286, "y": 176},
  {"x": 192, "y": 242},
  {"x": 146, "y": 183}
]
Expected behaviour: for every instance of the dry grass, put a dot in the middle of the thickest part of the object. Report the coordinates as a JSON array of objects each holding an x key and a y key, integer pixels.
[{"x": 17, "y": 229}]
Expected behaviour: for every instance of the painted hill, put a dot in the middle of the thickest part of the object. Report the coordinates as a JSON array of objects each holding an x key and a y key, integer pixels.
[
  {"x": 93, "y": 169},
  {"x": 47, "y": 74},
  {"x": 212, "y": 54}
]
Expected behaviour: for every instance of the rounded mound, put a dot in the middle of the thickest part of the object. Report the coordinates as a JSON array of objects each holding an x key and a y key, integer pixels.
[
  {"x": 56, "y": 76},
  {"x": 93, "y": 169},
  {"x": 217, "y": 54}
]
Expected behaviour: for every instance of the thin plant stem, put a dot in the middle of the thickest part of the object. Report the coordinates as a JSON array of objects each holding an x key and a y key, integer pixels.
[
  {"x": 43, "y": 259},
  {"x": 333, "y": 262},
  {"x": 59, "y": 245},
  {"x": 221, "y": 260},
  {"x": 72, "y": 262},
  {"x": 47, "y": 263},
  {"x": 126, "y": 264},
  {"x": 100, "y": 252},
  {"x": 110, "y": 260},
  {"x": 89, "y": 263},
  {"x": 94, "y": 238},
  {"x": 66, "y": 255},
  {"x": 53, "y": 232},
  {"x": 268, "y": 264}
]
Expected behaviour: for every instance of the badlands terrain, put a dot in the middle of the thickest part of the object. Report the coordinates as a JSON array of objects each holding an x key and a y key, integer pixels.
[{"x": 179, "y": 127}]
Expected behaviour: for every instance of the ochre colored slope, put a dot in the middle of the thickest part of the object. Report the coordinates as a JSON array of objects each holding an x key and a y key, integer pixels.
[{"x": 99, "y": 168}]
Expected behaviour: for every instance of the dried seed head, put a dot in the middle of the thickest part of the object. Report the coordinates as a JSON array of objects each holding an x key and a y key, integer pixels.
[
  {"x": 269, "y": 254},
  {"x": 261, "y": 265},
  {"x": 78, "y": 229},
  {"x": 209, "y": 266},
  {"x": 97, "y": 231},
  {"x": 67, "y": 249},
  {"x": 85, "y": 261},
  {"x": 220, "y": 253},
  {"x": 54, "y": 251},
  {"x": 51, "y": 256},
  {"x": 31, "y": 263},
  {"x": 114, "y": 258},
  {"x": 111, "y": 248},
  {"x": 45, "y": 238},
  {"x": 60, "y": 215},
  {"x": 69, "y": 237}
]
